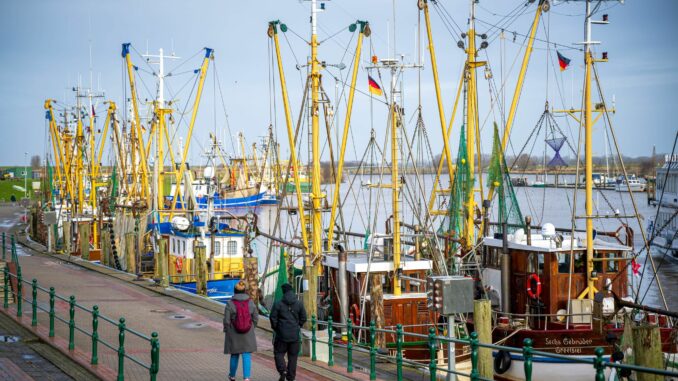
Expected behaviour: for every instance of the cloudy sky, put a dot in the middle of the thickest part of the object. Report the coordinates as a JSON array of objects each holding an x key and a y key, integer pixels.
[{"x": 50, "y": 46}]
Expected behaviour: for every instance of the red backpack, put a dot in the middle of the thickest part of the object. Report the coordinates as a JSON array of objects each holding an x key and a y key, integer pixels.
[{"x": 242, "y": 322}]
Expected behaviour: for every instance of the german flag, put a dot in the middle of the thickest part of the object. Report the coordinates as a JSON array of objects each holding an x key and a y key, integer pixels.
[
  {"x": 563, "y": 61},
  {"x": 375, "y": 89}
]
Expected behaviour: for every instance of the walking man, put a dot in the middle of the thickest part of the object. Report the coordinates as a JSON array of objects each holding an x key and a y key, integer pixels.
[
  {"x": 287, "y": 317},
  {"x": 240, "y": 319}
]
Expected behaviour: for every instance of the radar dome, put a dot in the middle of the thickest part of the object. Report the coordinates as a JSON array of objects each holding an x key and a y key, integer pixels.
[{"x": 548, "y": 230}]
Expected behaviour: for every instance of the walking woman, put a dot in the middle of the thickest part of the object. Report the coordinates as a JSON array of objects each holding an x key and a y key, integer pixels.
[{"x": 240, "y": 319}]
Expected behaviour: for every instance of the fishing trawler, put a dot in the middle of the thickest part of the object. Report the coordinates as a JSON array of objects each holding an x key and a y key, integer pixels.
[
  {"x": 238, "y": 190},
  {"x": 567, "y": 290}
]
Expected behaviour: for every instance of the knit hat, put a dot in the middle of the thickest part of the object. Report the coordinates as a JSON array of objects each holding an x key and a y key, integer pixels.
[
  {"x": 241, "y": 286},
  {"x": 286, "y": 287}
]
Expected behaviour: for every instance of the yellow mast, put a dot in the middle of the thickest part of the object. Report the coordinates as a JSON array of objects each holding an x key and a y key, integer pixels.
[
  {"x": 93, "y": 173},
  {"x": 364, "y": 30},
  {"x": 471, "y": 119},
  {"x": 441, "y": 111},
  {"x": 136, "y": 132},
  {"x": 244, "y": 157},
  {"x": 588, "y": 158},
  {"x": 194, "y": 114},
  {"x": 160, "y": 154},
  {"x": 542, "y": 7},
  {"x": 56, "y": 144},
  {"x": 395, "y": 187},
  {"x": 79, "y": 152},
  {"x": 310, "y": 299}
]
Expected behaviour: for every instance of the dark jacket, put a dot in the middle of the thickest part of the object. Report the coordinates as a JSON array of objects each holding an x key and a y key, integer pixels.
[
  {"x": 287, "y": 317},
  {"x": 235, "y": 342}
]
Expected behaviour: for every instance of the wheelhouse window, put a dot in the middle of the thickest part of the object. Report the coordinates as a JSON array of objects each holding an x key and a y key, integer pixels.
[
  {"x": 612, "y": 264},
  {"x": 217, "y": 248},
  {"x": 232, "y": 248},
  {"x": 598, "y": 265},
  {"x": 564, "y": 262}
]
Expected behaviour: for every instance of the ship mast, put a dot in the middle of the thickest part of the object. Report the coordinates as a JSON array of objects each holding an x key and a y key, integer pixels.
[
  {"x": 588, "y": 158},
  {"x": 159, "y": 129},
  {"x": 471, "y": 124},
  {"x": 310, "y": 290}
]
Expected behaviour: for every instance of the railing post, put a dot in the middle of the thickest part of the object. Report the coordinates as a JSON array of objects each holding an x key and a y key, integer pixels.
[
  {"x": 474, "y": 356},
  {"x": 5, "y": 303},
  {"x": 349, "y": 346},
  {"x": 373, "y": 350},
  {"x": 4, "y": 246},
  {"x": 34, "y": 304},
  {"x": 71, "y": 323},
  {"x": 95, "y": 335},
  {"x": 121, "y": 350},
  {"x": 313, "y": 338},
  {"x": 527, "y": 355},
  {"x": 399, "y": 353},
  {"x": 12, "y": 248},
  {"x": 599, "y": 364},
  {"x": 15, "y": 258},
  {"x": 432, "y": 363},
  {"x": 52, "y": 294},
  {"x": 330, "y": 343},
  {"x": 155, "y": 356},
  {"x": 20, "y": 296}
]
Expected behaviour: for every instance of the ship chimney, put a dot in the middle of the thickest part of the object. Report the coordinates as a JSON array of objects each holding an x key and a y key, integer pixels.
[{"x": 505, "y": 271}]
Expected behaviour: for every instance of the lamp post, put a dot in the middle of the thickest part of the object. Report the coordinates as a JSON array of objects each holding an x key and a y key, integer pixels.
[{"x": 25, "y": 174}]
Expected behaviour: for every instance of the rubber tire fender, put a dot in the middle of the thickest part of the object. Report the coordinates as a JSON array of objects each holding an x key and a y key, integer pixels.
[{"x": 502, "y": 362}]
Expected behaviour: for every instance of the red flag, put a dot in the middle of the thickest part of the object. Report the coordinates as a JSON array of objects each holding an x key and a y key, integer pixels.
[{"x": 635, "y": 267}]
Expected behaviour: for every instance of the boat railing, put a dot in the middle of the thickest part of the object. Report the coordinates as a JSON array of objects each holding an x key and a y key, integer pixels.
[
  {"x": 434, "y": 343},
  {"x": 81, "y": 330},
  {"x": 517, "y": 320},
  {"x": 180, "y": 278}
]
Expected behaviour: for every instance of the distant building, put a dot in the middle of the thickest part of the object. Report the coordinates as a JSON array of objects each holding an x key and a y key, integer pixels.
[{"x": 18, "y": 173}]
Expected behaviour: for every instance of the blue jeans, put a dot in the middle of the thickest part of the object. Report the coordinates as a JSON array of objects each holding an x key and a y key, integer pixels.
[{"x": 246, "y": 364}]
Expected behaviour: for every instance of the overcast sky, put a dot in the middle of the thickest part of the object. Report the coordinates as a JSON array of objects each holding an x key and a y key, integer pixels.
[{"x": 47, "y": 44}]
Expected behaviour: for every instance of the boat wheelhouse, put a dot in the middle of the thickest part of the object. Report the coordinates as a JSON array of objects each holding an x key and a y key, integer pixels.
[
  {"x": 548, "y": 299},
  {"x": 225, "y": 267},
  {"x": 409, "y": 308}
]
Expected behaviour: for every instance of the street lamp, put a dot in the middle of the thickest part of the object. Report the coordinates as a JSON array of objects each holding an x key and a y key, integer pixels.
[{"x": 25, "y": 174}]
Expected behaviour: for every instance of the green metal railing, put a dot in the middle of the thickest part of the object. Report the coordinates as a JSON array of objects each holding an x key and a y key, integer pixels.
[
  {"x": 90, "y": 330},
  {"x": 598, "y": 364}
]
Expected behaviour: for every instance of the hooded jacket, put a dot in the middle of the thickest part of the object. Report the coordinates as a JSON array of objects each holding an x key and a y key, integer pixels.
[
  {"x": 234, "y": 341},
  {"x": 287, "y": 317}
]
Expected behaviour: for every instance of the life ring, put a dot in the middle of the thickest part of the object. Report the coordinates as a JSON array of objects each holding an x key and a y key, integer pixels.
[
  {"x": 502, "y": 362},
  {"x": 179, "y": 264},
  {"x": 533, "y": 286}
]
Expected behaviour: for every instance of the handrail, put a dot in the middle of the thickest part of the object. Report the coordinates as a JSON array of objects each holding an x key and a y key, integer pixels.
[
  {"x": 154, "y": 344},
  {"x": 598, "y": 363}
]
